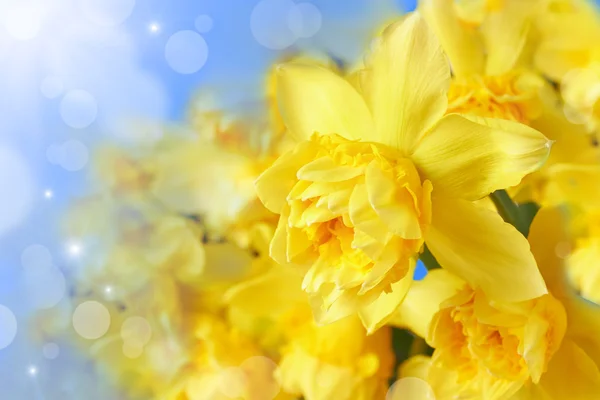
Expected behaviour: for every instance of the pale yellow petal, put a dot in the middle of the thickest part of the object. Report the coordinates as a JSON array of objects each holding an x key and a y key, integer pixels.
[
  {"x": 461, "y": 43},
  {"x": 478, "y": 246},
  {"x": 571, "y": 374},
  {"x": 547, "y": 232},
  {"x": 505, "y": 34},
  {"x": 378, "y": 313},
  {"x": 277, "y": 181},
  {"x": 270, "y": 294},
  {"x": 470, "y": 157},
  {"x": 423, "y": 300},
  {"x": 314, "y": 99},
  {"x": 406, "y": 82}
]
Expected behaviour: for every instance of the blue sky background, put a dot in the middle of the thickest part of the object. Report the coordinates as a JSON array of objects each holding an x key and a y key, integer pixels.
[{"x": 68, "y": 74}]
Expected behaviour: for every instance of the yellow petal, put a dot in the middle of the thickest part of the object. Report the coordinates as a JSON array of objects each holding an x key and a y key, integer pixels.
[
  {"x": 315, "y": 99},
  {"x": 470, "y": 157},
  {"x": 270, "y": 294},
  {"x": 407, "y": 82},
  {"x": 546, "y": 233},
  {"x": 277, "y": 181},
  {"x": 571, "y": 374},
  {"x": 505, "y": 34},
  {"x": 575, "y": 184},
  {"x": 378, "y": 313},
  {"x": 463, "y": 46},
  {"x": 423, "y": 300},
  {"x": 478, "y": 246}
]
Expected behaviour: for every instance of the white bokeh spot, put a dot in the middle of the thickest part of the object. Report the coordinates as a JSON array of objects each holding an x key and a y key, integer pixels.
[
  {"x": 186, "y": 52},
  {"x": 45, "y": 286},
  {"x": 36, "y": 258},
  {"x": 16, "y": 182},
  {"x": 50, "y": 351},
  {"x": 8, "y": 327},
  {"x": 305, "y": 20},
  {"x": 91, "y": 320},
  {"x": 203, "y": 23},
  {"x": 410, "y": 388},
  {"x": 23, "y": 21},
  {"x": 269, "y": 24},
  {"x": 75, "y": 155},
  {"x": 136, "y": 331},
  {"x": 78, "y": 109},
  {"x": 107, "y": 12},
  {"x": 52, "y": 87}
]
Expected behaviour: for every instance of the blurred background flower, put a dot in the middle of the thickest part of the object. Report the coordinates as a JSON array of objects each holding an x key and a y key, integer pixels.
[{"x": 79, "y": 73}]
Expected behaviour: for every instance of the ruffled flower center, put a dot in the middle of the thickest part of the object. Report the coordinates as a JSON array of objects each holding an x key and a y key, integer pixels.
[
  {"x": 512, "y": 96},
  {"x": 355, "y": 217},
  {"x": 494, "y": 346}
]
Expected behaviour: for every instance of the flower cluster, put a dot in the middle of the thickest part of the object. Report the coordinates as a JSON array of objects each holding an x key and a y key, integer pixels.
[{"x": 274, "y": 255}]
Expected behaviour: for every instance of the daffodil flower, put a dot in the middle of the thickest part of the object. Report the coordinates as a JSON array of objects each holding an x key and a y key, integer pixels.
[
  {"x": 544, "y": 348},
  {"x": 380, "y": 170},
  {"x": 490, "y": 78}
]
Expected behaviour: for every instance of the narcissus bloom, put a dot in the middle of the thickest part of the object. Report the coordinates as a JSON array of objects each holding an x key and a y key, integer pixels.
[
  {"x": 489, "y": 77},
  {"x": 544, "y": 348},
  {"x": 380, "y": 170},
  {"x": 492, "y": 347}
]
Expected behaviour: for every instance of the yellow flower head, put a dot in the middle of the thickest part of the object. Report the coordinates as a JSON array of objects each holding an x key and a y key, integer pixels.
[
  {"x": 496, "y": 347},
  {"x": 490, "y": 79},
  {"x": 544, "y": 348},
  {"x": 380, "y": 170}
]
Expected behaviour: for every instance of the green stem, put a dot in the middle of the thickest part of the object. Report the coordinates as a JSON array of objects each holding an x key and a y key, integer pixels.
[
  {"x": 428, "y": 259},
  {"x": 509, "y": 211},
  {"x": 418, "y": 346}
]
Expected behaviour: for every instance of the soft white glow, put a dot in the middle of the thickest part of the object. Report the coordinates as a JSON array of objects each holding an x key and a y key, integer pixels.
[
  {"x": 23, "y": 22},
  {"x": 154, "y": 27},
  {"x": 32, "y": 370},
  {"x": 74, "y": 248},
  {"x": 48, "y": 194},
  {"x": 108, "y": 290}
]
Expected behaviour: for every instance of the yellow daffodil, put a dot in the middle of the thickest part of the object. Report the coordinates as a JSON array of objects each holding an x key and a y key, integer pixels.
[
  {"x": 489, "y": 78},
  {"x": 544, "y": 348},
  {"x": 379, "y": 171},
  {"x": 317, "y": 362},
  {"x": 493, "y": 348}
]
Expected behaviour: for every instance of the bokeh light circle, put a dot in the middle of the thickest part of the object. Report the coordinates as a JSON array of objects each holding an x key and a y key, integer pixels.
[
  {"x": 269, "y": 24},
  {"x": 16, "y": 183},
  {"x": 262, "y": 369},
  {"x": 8, "y": 327},
  {"x": 52, "y": 87},
  {"x": 74, "y": 155},
  {"x": 233, "y": 382},
  {"x": 45, "y": 287},
  {"x": 203, "y": 23},
  {"x": 132, "y": 350},
  {"x": 91, "y": 320},
  {"x": 186, "y": 52},
  {"x": 36, "y": 257},
  {"x": 410, "y": 388},
  {"x": 304, "y": 20},
  {"x": 50, "y": 351},
  {"x": 78, "y": 109},
  {"x": 54, "y": 153},
  {"x": 23, "y": 21},
  {"x": 107, "y": 12},
  {"x": 136, "y": 331}
]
